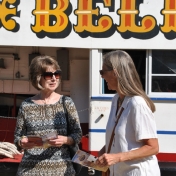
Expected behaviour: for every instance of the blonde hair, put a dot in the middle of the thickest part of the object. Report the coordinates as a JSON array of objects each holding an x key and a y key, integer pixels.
[
  {"x": 128, "y": 81},
  {"x": 38, "y": 66}
]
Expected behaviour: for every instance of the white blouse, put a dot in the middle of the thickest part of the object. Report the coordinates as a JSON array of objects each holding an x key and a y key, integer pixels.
[{"x": 136, "y": 123}]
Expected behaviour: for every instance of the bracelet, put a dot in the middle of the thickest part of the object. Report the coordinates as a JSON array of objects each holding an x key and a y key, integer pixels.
[{"x": 19, "y": 142}]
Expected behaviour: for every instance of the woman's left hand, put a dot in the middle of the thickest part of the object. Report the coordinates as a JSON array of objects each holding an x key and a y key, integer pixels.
[
  {"x": 108, "y": 159},
  {"x": 59, "y": 141}
]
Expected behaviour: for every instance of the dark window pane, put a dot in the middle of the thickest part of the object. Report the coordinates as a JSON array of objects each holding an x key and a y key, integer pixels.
[
  {"x": 139, "y": 59},
  {"x": 164, "y": 84},
  {"x": 163, "y": 62},
  {"x": 106, "y": 90}
]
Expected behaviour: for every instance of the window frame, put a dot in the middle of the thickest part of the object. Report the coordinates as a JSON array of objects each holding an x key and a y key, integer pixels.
[{"x": 149, "y": 80}]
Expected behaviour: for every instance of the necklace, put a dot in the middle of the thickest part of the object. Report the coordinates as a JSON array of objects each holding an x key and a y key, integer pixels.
[
  {"x": 119, "y": 103},
  {"x": 44, "y": 101}
]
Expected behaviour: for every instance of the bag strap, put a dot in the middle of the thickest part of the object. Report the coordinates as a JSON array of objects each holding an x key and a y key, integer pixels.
[
  {"x": 65, "y": 110},
  {"x": 66, "y": 115},
  {"x": 112, "y": 135}
]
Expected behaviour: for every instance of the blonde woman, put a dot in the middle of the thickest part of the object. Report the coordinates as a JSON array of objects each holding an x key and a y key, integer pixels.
[
  {"x": 43, "y": 114},
  {"x": 134, "y": 142}
]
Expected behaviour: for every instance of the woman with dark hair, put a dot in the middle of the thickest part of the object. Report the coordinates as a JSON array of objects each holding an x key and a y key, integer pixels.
[
  {"x": 131, "y": 138},
  {"x": 45, "y": 114}
]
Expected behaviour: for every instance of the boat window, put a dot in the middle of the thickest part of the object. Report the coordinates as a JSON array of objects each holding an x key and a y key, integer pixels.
[
  {"x": 163, "y": 71},
  {"x": 139, "y": 59}
]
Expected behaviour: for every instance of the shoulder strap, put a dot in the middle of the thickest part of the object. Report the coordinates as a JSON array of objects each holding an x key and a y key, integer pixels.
[
  {"x": 65, "y": 110},
  {"x": 112, "y": 135}
]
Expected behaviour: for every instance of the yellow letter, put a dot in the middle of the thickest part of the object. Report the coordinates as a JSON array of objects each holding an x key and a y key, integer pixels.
[
  {"x": 85, "y": 14},
  {"x": 43, "y": 15},
  {"x": 4, "y": 11},
  {"x": 169, "y": 16},
  {"x": 128, "y": 13}
]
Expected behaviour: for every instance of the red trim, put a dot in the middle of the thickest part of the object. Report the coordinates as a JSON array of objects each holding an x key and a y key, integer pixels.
[
  {"x": 166, "y": 157},
  {"x": 16, "y": 159},
  {"x": 85, "y": 20},
  {"x": 171, "y": 20},
  {"x": 42, "y": 20},
  {"x": 172, "y": 4},
  {"x": 128, "y": 4},
  {"x": 85, "y": 5},
  {"x": 84, "y": 144},
  {"x": 62, "y": 4},
  {"x": 42, "y": 5},
  {"x": 61, "y": 21},
  {"x": 128, "y": 20}
]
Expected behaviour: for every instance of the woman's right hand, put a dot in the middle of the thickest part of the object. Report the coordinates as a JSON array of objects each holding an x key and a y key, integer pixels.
[
  {"x": 108, "y": 159},
  {"x": 25, "y": 144}
]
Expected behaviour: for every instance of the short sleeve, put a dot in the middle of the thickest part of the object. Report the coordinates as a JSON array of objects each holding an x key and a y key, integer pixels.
[{"x": 143, "y": 122}]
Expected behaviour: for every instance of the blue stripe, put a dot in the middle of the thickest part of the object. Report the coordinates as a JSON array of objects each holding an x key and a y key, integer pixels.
[
  {"x": 158, "y": 132},
  {"x": 165, "y": 99},
  {"x": 97, "y": 130},
  {"x": 167, "y": 132},
  {"x": 102, "y": 97},
  {"x": 110, "y": 96}
]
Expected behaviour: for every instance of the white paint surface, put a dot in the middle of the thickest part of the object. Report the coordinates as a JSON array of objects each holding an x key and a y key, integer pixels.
[
  {"x": 165, "y": 120},
  {"x": 26, "y": 37},
  {"x": 79, "y": 87}
]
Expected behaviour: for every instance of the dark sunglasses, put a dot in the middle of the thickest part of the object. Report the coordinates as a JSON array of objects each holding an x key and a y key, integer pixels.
[
  {"x": 102, "y": 72},
  {"x": 49, "y": 75}
]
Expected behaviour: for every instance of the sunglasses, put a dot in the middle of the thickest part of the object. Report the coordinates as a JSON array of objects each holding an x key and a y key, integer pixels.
[
  {"x": 102, "y": 72},
  {"x": 49, "y": 75}
]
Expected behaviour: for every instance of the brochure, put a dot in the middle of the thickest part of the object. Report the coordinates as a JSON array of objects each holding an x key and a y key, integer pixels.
[
  {"x": 42, "y": 141},
  {"x": 87, "y": 160}
]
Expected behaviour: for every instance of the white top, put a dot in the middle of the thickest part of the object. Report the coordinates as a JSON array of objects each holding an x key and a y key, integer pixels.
[{"x": 136, "y": 123}]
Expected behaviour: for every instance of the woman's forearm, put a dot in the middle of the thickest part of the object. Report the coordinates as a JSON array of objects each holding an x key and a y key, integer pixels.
[{"x": 142, "y": 152}]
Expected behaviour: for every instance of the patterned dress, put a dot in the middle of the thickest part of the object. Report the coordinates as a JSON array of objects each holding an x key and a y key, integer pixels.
[{"x": 35, "y": 119}]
